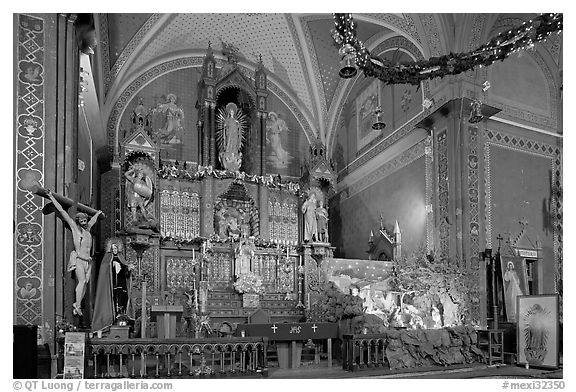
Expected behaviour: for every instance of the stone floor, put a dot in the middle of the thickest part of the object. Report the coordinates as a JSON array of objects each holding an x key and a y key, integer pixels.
[{"x": 470, "y": 371}]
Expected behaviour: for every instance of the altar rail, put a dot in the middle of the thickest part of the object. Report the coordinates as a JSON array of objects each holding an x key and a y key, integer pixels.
[
  {"x": 142, "y": 358},
  {"x": 397, "y": 349}
]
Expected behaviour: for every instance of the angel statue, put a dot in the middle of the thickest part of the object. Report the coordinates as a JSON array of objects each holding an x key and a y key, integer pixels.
[
  {"x": 139, "y": 191},
  {"x": 230, "y": 134}
]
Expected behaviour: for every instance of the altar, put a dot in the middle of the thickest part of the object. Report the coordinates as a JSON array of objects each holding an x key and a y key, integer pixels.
[
  {"x": 210, "y": 221},
  {"x": 289, "y": 337}
]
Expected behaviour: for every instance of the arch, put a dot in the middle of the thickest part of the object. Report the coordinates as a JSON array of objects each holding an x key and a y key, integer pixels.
[{"x": 346, "y": 86}]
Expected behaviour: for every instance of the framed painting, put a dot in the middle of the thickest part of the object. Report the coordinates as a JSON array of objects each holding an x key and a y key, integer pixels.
[
  {"x": 537, "y": 331},
  {"x": 515, "y": 283}
]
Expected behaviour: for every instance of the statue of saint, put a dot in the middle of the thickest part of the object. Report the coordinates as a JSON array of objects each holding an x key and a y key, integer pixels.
[
  {"x": 222, "y": 222},
  {"x": 113, "y": 286},
  {"x": 322, "y": 218},
  {"x": 244, "y": 223},
  {"x": 171, "y": 131},
  {"x": 244, "y": 254},
  {"x": 139, "y": 192},
  {"x": 80, "y": 258},
  {"x": 231, "y": 125},
  {"x": 310, "y": 222},
  {"x": 232, "y": 135}
]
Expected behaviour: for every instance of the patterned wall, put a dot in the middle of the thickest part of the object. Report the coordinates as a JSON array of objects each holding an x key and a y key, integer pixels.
[
  {"x": 29, "y": 167},
  {"x": 533, "y": 187},
  {"x": 443, "y": 195}
]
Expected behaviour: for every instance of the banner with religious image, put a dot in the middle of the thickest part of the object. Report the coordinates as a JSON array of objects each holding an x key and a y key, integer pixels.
[{"x": 515, "y": 283}]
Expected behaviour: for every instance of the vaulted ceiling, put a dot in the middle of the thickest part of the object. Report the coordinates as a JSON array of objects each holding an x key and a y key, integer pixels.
[{"x": 296, "y": 49}]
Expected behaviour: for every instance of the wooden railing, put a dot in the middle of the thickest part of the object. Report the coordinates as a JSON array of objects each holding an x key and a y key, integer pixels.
[{"x": 142, "y": 358}]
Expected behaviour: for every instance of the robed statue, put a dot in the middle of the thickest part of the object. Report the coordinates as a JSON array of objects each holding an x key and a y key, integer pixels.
[
  {"x": 310, "y": 221},
  {"x": 244, "y": 254},
  {"x": 230, "y": 135},
  {"x": 113, "y": 287}
]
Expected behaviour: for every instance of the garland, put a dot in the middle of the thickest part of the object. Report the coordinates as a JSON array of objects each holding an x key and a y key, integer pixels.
[
  {"x": 498, "y": 48},
  {"x": 215, "y": 239},
  {"x": 270, "y": 181}
]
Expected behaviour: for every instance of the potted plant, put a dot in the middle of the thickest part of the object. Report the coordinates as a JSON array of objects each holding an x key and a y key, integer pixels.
[{"x": 250, "y": 286}]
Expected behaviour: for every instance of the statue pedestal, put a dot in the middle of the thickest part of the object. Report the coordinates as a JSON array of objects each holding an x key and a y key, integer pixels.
[{"x": 166, "y": 317}]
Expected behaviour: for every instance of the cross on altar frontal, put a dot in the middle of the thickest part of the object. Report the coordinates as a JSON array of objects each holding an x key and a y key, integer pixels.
[
  {"x": 314, "y": 328},
  {"x": 274, "y": 328}
]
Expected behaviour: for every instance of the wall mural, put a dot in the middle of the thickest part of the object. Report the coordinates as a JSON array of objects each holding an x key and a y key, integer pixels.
[
  {"x": 165, "y": 108},
  {"x": 276, "y": 134},
  {"x": 285, "y": 138}
]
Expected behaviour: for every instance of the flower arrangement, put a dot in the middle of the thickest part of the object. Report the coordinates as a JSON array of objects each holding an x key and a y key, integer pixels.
[{"x": 249, "y": 283}]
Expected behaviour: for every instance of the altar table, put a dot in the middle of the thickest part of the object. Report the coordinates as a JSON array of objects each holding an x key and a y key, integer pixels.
[{"x": 293, "y": 332}]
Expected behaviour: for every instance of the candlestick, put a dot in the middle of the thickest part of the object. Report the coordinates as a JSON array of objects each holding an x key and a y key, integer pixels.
[
  {"x": 196, "y": 299},
  {"x": 193, "y": 254},
  {"x": 143, "y": 323}
]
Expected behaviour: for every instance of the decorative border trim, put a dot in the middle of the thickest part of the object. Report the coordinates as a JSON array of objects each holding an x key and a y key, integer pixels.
[
  {"x": 432, "y": 33},
  {"x": 406, "y": 24},
  {"x": 429, "y": 151},
  {"x": 105, "y": 50},
  {"x": 29, "y": 165},
  {"x": 536, "y": 148},
  {"x": 187, "y": 62},
  {"x": 443, "y": 192},
  {"x": 315, "y": 66},
  {"x": 473, "y": 195}
]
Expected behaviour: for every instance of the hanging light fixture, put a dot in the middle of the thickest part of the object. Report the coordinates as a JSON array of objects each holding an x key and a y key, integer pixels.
[
  {"x": 476, "y": 112},
  {"x": 378, "y": 125},
  {"x": 348, "y": 69}
]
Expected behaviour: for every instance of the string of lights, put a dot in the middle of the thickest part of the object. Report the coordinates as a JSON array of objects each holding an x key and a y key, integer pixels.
[{"x": 354, "y": 52}]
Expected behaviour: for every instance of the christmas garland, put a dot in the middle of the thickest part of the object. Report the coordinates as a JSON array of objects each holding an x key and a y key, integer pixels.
[
  {"x": 215, "y": 239},
  {"x": 498, "y": 48},
  {"x": 270, "y": 181}
]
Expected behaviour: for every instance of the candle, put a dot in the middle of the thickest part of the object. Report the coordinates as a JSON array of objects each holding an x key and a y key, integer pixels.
[
  {"x": 308, "y": 302},
  {"x": 193, "y": 254},
  {"x": 287, "y": 254},
  {"x": 196, "y": 299}
]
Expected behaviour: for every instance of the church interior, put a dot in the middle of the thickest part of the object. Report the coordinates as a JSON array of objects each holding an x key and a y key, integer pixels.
[{"x": 268, "y": 195}]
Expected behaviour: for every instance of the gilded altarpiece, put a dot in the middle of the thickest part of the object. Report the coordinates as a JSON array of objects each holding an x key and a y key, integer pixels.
[
  {"x": 283, "y": 217},
  {"x": 179, "y": 213}
]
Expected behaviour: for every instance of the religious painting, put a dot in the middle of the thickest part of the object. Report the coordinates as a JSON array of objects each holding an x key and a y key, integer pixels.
[
  {"x": 369, "y": 279},
  {"x": 537, "y": 330},
  {"x": 366, "y": 104},
  {"x": 167, "y": 120},
  {"x": 276, "y": 134},
  {"x": 515, "y": 283}
]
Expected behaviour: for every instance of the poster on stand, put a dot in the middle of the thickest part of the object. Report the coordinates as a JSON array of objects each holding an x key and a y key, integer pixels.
[
  {"x": 538, "y": 331},
  {"x": 74, "y": 348}
]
